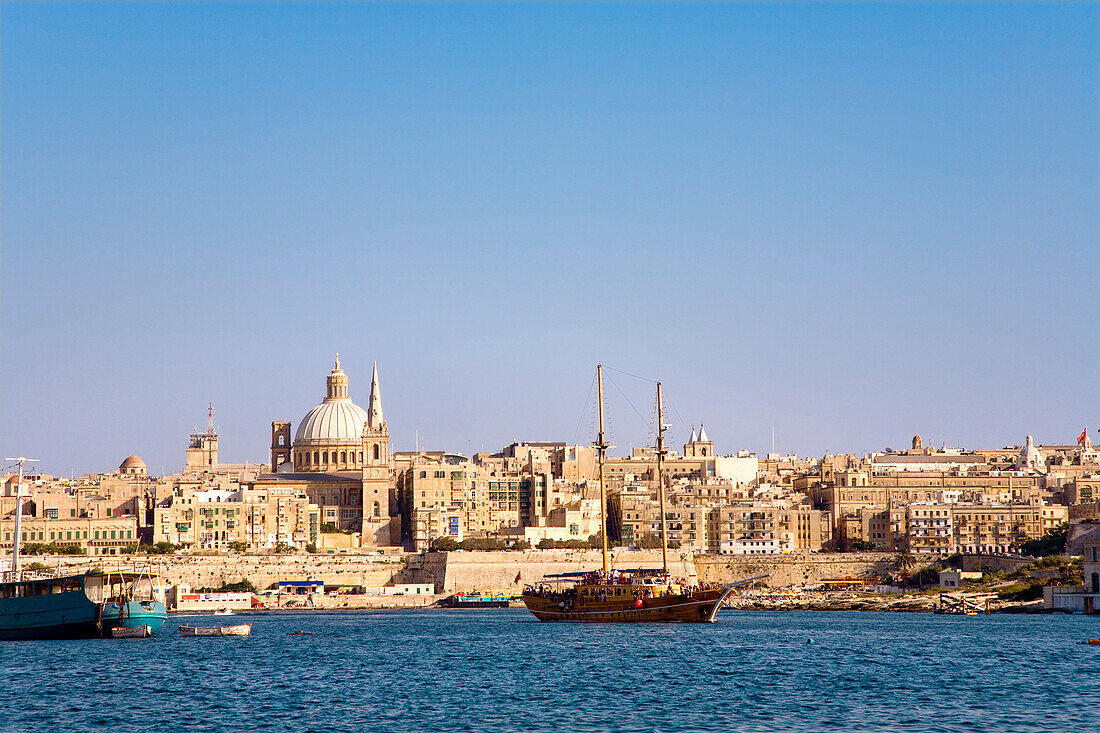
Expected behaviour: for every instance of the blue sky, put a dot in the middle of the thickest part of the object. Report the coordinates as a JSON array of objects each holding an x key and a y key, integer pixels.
[{"x": 849, "y": 222}]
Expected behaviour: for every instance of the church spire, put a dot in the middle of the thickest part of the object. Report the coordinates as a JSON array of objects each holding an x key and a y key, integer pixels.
[{"x": 374, "y": 407}]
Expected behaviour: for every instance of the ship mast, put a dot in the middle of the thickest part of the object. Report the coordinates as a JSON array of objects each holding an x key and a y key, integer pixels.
[
  {"x": 660, "y": 477},
  {"x": 601, "y": 450},
  {"x": 18, "y": 516}
]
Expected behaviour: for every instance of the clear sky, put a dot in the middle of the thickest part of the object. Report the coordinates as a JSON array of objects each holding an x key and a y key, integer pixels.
[{"x": 849, "y": 222}]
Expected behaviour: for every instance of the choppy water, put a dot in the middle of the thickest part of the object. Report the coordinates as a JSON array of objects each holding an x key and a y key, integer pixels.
[{"x": 500, "y": 670}]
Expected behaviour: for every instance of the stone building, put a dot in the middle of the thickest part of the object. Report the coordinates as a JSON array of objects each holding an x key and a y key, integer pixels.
[
  {"x": 94, "y": 536},
  {"x": 261, "y": 519}
]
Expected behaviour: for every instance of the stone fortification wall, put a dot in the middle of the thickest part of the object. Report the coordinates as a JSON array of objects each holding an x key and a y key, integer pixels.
[
  {"x": 464, "y": 571},
  {"x": 467, "y": 570},
  {"x": 212, "y": 571},
  {"x": 793, "y": 569}
]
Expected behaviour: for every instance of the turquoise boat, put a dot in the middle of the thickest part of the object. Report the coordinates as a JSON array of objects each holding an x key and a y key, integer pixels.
[{"x": 79, "y": 606}]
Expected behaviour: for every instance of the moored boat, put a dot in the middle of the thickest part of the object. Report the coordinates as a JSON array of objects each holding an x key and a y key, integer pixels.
[
  {"x": 132, "y": 632},
  {"x": 477, "y": 600},
  {"x": 238, "y": 630},
  {"x": 40, "y": 606},
  {"x": 77, "y": 606}
]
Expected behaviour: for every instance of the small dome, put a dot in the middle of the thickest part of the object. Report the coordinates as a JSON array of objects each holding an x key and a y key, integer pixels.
[{"x": 133, "y": 464}]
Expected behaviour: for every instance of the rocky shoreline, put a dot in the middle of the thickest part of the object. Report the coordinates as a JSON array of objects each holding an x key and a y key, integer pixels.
[{"x": 899, "y": 604}]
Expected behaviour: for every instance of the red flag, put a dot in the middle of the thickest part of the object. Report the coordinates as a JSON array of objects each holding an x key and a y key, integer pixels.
[
  {"x": 1081, "y": 437},
  {"x": 516, "y": 581}
]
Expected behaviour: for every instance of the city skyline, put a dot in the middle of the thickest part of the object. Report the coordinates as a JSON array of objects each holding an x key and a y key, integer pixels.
[{"x": 849, "y": 223}]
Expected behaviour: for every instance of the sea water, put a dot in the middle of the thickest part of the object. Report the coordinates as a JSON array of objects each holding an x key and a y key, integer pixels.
[{"x": 501, "y": 670}]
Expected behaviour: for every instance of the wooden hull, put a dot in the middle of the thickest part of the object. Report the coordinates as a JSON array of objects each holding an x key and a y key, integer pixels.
[{"x": 700, "y": 607}]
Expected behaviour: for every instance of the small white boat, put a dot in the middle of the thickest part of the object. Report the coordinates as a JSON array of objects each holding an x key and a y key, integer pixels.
[
  {"x": 239, "y": 630},
  {"x": 224, "y": 612},
  {"x": 132, "y": 632}
]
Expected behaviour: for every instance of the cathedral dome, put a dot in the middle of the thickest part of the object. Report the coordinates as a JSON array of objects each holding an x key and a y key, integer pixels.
[
  {"x": 337, "y": 420},
  {"x": 332, "y": 421}
]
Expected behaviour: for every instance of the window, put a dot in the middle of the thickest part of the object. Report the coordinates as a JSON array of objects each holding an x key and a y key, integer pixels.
[
  {"x": 376, "y": 451},
  {"x": 108, "y": 511},
  {"x": 343, "y": 456}
]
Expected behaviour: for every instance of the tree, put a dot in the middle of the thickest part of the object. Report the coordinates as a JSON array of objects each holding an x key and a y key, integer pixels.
[
  {"x": 1052, "y": 543},
  {"x": 241, "y": 586},
  {"x": 863, "y": 546},
  {"x": 282, "y": 548},
  {"x": 521, "y": 545},
  {"x": 329, "y": 528},
  {"x": 37, "y": 548},
  {"x": 905, "y": 560},
  {"x": 163, "y": 548},
  {"x": 311, "y": 548},
  {"x": 238, "y": 546},
  {"x": 444, "y": 544}
]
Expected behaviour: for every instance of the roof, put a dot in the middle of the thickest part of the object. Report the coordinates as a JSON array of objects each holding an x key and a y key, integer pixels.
[
  {"x": 901, "y": 458},
  {"x": 278, "y": 478}
]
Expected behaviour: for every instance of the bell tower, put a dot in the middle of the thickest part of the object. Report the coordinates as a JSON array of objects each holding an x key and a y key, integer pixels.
[
  {"x": 699, "y": 446},
  {"x": 378, "y": 483},
  {"x": 280, "y": 444}
]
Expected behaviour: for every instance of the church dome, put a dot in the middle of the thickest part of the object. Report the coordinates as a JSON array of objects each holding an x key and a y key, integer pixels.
[
  {"x": 337, "y": 420},
  {"x": 332, "y": 421},
  {"x": 1030, "y": 457},
  {"x": 133, "y": 465}
]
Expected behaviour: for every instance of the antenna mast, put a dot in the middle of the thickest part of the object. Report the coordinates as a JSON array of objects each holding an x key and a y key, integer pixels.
[
  {"x": 601, "y": 450},
  {"x": 18, "y": 516},
  {"x": 210, "y": 419},
  {"x": 660, "y": 477}
]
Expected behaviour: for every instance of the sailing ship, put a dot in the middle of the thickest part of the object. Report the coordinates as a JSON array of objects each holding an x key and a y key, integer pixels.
[
  {"x": 627, "y": 596},
  {"x": 37, "y": 606}
]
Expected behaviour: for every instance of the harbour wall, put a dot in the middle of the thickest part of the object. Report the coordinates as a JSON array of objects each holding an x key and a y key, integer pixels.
[
  {"x": 466, "y": 571},
  {"x": 264, "y": 571}
]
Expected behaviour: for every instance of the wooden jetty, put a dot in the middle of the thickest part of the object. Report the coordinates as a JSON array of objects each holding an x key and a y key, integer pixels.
[{"x": 964, "y": 604}]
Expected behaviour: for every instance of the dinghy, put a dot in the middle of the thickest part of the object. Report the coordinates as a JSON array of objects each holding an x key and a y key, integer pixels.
[{"x": 239, "y": 630}]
